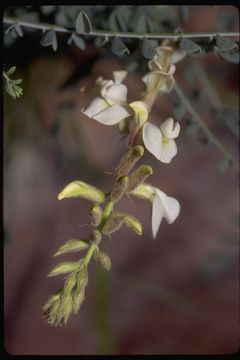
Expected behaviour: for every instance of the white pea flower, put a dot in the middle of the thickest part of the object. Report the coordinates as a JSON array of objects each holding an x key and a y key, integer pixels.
[
  {"x": 111, "y": 107},
  {"x": 162, "y": 69},
  {"x": 163, "y": 206},
  {"x": 160, "y": 141}
]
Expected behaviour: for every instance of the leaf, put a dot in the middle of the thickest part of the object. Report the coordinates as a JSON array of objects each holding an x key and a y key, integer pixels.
[
  {"x": 83, "y": 23},
  {"x": 112, "y": 22},
  {"x": 49, "y": 38},
  {"x": 11, "y": 70},
  {"x": 18, "y": 81},
  {"x": 223, "y": 165},
  {"x": 18, "y": 30},
  {"x": 79, "y": 42},
  {"x": 10, "y": 90},
  {"x": 118, "y": 47},
  {"x": 189, "y": 46},
  {"x": 224, "y": 43},
  {"x": 122, "y": 20},
  {"x": 141, "y": 25},
  {"x": 148, "y": 48},
  {"x": 64, "y": 267},
  {"x": 231, "y": 56},
  {"x": 71, "y": 246},
  {"x": 100, "y": 41}
]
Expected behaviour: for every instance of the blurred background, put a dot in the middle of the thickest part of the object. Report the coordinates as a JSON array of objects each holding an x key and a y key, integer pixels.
[{"x": 177, "y": 294}]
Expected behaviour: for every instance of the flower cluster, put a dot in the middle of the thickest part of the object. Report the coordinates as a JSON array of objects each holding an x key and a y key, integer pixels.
[{"x": 111, "y": 108}]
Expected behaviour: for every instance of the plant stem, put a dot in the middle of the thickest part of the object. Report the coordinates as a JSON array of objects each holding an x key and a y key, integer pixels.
[
  {"x": 90, "y": 252},
  {"x": 44, "y": 26},
  {"x": 197, "y": 118}
]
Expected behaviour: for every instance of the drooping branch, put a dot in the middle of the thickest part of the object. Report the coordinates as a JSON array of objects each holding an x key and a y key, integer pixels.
[
  {"x": 57, "y": 28},
  {"x": 197, "y": 118}
]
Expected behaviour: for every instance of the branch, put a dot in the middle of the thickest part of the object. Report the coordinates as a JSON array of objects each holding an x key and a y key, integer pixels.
[
  {"x": 197, "y": 118},
  {"x": 44, "y": 26}
]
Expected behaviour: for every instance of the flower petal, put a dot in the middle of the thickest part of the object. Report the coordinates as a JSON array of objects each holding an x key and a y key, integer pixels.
[
  {"x": 178, "y": 55},
  {"x": 152, "y": 138},
  {"x": 141, "y": 112},
  {"x": 151, "y": 80},
  {"x": 113, "y": 114},
  {"x": 169, "y": 129},
  {"x": 115, "y": 93},
  {"x": 172, "y": 69},
  {"x": 163, "y": 206},
  {"x": 169, "y": 150},
  {"x": 167, "y": 85},
  {"x": 170, "y": 206},
  {"x": 119, "y": 76},
  {"x": 157, "y": 214},
  {"x": 96, "y": 106},
  {"x": 154, "y": 65}
]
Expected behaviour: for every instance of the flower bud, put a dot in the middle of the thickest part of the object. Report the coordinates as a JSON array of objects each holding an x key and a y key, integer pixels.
[
  {"x": 96, "y": 237},
  {"x": 64, "y": 268},
  {"x": 139, "y": 176},
  {"x": 129, "y": 220},
  {"x": 95, "y": 215},
  {"x": 128, "y": 160},
  {"x": 144, "y": 191},
  {"x": 81, "y": 189},
  {"x": 119, "y": 188},
  {"x": 103, "y": 258},
  {"x": 112, "y": 225}
]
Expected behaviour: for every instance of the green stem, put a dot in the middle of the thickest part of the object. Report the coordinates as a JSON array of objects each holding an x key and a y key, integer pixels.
[
  {"x": 44, "y": 26},
  {"x": 106, "y": 214},
  {"x": 89, "y": 255}
]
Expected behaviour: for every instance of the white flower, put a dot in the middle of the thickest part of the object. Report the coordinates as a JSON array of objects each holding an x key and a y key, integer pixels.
[
  {"x": 162, "y": 69},
  {"x": 160, "y": 141},
  {"x": 110, "y": 108},
  {"x": 162, "y": 205}
]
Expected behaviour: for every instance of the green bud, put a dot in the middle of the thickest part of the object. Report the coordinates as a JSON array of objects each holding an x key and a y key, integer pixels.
[
  {"x": 64, "y": 310},
  {"x": 81, "y": 189},
  {"x": 128, "y": 160},
  {"x": 96, "y": 237},
  {"x": 139, "y": 176},
  {"x": 77, "y": 300},
  {"x": 95, "y": 215},
  {"x": 79, "y": 293},
  {"x": 123, "y": 126},
  {"x": 51, "y": 308},
  {"x": 64, "y": 268},
  {"x": 144, "y": 191},
  {"x": 71, "y": 246},
  {"x": 119, "y": 188},
  {"x": 103, "y": 258},
  {"x": 70, "y": 283},
  {"x": 129, "y": 220},
  {"x": 112, "y": 225}
]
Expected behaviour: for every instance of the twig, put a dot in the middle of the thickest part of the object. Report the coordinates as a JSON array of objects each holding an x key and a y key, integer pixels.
[
  {"x": 197, "y": 118},
  {"x": 207, "y": 86},
  {"x": 44, "y": 26}
]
